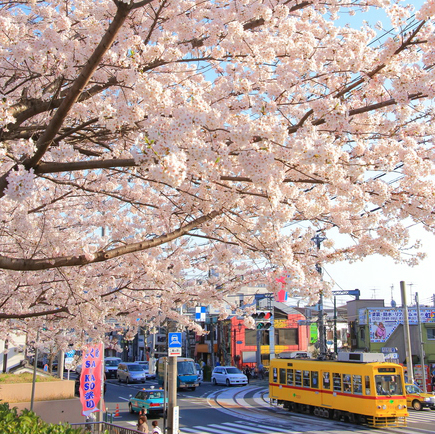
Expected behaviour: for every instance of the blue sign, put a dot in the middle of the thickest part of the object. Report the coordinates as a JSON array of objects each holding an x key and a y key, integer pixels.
[
  {"x": 174, "y": 340},
  {"x": 70, "y": 354},
  {"x": 200, "y": 313}
]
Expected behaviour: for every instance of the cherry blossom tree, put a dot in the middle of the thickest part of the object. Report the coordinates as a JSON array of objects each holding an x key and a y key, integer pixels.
[{"x": 155, "y": 152}]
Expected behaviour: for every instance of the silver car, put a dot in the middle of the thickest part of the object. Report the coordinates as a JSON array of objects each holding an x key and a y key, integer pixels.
[
  {"x": 131, "y": 373},
  {"x": 228, "y": 375}
]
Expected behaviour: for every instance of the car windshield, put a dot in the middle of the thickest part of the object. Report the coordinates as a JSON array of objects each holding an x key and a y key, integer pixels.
[
  {"x": 186, "y": 368},
  {"x": 135, "y": 368},
  {"x": 233, "y": 371},
  {"x": 144, "y": 364},
  {"x": 388, "y": 385},
  {"x": 112, "y": 363},
  {"x": 412, "y": 389}
]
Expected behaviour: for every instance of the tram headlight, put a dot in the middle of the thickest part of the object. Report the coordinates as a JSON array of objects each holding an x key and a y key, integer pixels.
[
  {"x": 384, "y": 407},
  {"x": 399, "y": 407}
]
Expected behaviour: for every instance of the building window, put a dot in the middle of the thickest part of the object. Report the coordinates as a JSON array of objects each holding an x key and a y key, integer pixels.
[
  {"x": 431, "y": 333},
  {"x": 286, "y": 336},
  {"x": 250, "y": 337}
]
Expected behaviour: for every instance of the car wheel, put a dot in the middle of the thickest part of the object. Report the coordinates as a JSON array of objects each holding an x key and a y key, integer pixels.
[
  {"x": 130, "y": 408},
  {"x": 143, "y": 381},
  {"x": 227, "y": 383},
  {"x": 193, "y": 388},
  {"x": 214, "y": 382},
  {"x": 416, "y": 405},
  {"x": 119, "y": 378}
]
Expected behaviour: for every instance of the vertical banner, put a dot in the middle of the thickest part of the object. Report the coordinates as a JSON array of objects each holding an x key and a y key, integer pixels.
[{"x": 90, "y": 379}]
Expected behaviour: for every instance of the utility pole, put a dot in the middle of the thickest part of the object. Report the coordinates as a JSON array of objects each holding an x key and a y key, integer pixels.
[
  {"x": 406, "y": 333},
  {"x": 322, "y": 329},
  {"x": 420, "y": 336}
]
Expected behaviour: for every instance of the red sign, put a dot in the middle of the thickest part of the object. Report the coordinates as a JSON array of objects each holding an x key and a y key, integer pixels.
[{"x": 90, "y": 379}]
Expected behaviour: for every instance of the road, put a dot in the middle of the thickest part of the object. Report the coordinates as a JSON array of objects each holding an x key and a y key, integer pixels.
[{"x": 216, "y": 410}]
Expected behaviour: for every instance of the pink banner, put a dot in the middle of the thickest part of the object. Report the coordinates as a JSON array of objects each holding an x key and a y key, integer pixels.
[{"x": 90, "y": 379}]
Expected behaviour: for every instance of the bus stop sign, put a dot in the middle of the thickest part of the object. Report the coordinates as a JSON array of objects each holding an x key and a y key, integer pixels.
[{"x": 174, "y": 344}]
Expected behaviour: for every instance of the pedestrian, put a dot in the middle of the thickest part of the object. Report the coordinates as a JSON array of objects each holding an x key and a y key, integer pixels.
[
  {"x": 142, "y": 419},
  {"x": 142, "y": 425},
  {"x": 433, "y": 381},
  {"x": 248, "y": 373},
  {"x": 156, "y": 429},
  {"x": 261, "y": 371}
]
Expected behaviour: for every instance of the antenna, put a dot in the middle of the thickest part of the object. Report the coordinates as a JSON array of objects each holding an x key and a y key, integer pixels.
[{"x": 374, "y": 293}]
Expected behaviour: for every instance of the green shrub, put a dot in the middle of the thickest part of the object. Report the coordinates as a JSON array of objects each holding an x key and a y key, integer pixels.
[{"x": 29, "y": 423}]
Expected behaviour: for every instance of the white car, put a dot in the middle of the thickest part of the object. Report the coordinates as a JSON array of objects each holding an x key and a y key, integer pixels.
[{"x": 228, "y": 375}]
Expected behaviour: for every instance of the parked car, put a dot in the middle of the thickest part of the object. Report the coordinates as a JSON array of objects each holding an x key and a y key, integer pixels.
[
  {"x": 200, "y": 373},
  {"x": 111, "y": 366},
  {"x": 130, "y": 373},
  {"x": 151, "y": 399},
  {"x": 417, "y": 399},
  {"x": 146, "y": 367},
  {"x": 228, "y": 375}
]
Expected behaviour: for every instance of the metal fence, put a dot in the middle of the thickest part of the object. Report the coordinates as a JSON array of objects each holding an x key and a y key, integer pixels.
[{"x": 103, "y": 428}]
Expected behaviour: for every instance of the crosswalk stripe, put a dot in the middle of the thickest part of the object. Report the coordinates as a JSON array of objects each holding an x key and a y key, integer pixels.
[{"x": 258, "y": 427}]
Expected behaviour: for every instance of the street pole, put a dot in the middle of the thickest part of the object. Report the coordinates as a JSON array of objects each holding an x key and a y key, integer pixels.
[
  {"x": 172, "y": 396},
  {"x": 420, "y": 336},
  {"x": 35, "y": 362},
  {"x": 335, "y": 326},
  {"x": 322, "y": 330},
  {"x": 406, "y": 333},
  {"x": 272, "y": 336},
  {"x": 258, "y": 353}
]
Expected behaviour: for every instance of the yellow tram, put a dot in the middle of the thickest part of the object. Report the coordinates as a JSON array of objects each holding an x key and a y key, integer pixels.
[{"x": 358, "y": 387}]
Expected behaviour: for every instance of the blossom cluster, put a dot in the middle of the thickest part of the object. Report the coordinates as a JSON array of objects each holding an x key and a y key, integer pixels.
[{"x": 199, "y": 146}]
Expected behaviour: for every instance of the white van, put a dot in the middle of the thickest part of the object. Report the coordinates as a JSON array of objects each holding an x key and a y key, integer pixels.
[{"x": 111, "y": 366}]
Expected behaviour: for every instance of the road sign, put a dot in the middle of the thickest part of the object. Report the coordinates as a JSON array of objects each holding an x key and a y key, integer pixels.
[
  {"x": 200, "y": 313},
  {"x": 387, "y": 350},
  {"x": 68, "y": 363},
  {"x": 174, "y": 340},
  {"x": 174, "y": 351},
  {"x": 70, "y": 354}
]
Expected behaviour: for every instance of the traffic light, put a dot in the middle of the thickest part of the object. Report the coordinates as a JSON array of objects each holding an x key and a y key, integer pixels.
[{"x": 263, "y": 320}]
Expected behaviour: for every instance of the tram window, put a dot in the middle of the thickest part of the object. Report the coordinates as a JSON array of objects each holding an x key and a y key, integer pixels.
[
  {"x": 298, "y": 377},
  {"x": 275, "y": 375},
  {"x": 290, "y": 377},
  {"x": 314, "y": 379},
  {"x": 282, "y": 376},
  {"x": 357, "y": 384},
  {"x": 347, "y": 386},
  {"x": 367, "y": 385},
  {"x": 388, "y": 384},
  {"x": 326, "y": 380},
  {"x": 306, "y": 378},
  {"x": 336, "y": 381}
]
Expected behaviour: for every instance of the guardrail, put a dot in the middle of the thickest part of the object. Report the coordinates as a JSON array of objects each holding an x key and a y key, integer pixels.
[{"x": 103, "y": 428}]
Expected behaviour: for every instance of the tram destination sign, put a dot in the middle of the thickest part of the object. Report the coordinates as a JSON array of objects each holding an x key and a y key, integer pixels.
[{"x": 387, "y": 350}]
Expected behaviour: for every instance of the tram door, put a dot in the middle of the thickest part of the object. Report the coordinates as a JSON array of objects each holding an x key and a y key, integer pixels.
[{"x": 326, "y": 387}]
